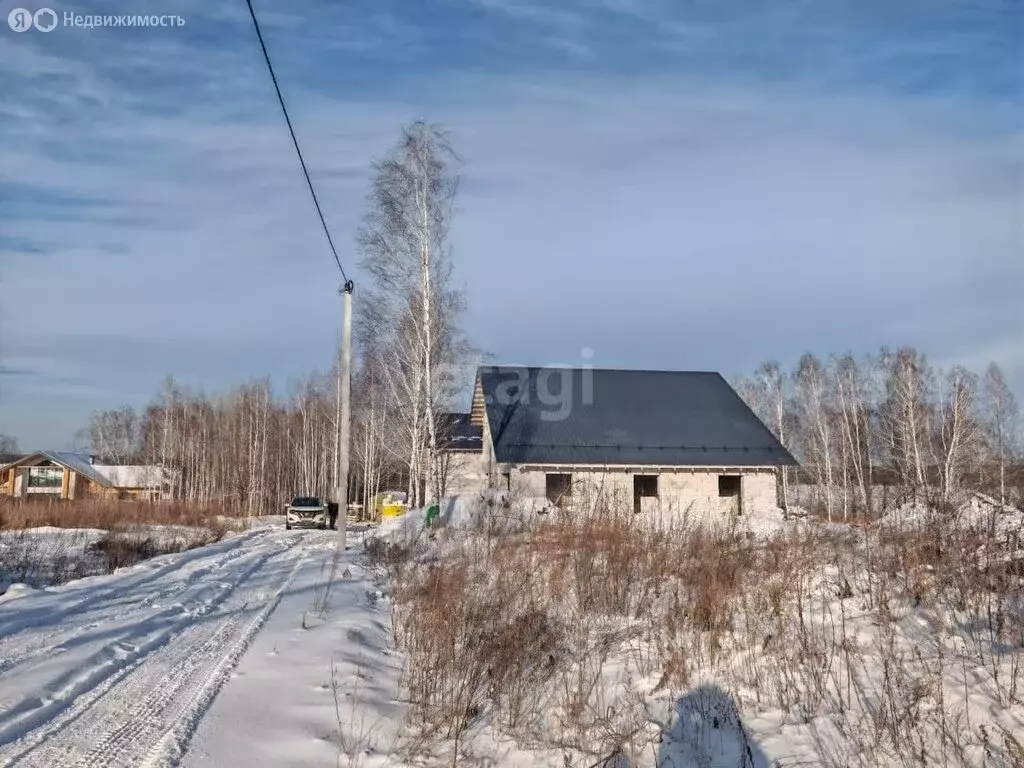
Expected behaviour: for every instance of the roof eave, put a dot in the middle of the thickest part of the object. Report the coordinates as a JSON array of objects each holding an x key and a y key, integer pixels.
[{"x": 627, "y": 468}]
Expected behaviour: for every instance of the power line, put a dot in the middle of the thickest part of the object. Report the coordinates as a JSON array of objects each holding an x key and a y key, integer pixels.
[{"x": 295, "y": 141}]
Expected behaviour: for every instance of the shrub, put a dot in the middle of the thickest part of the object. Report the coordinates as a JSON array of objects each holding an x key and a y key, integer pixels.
[{"x": 545, "y": 633}]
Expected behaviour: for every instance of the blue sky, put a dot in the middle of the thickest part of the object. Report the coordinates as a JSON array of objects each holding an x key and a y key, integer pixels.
[{"x": 700, "y": 184}]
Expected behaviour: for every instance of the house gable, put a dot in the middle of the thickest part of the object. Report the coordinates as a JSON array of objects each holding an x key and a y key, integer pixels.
[{"x": 76, "y": 462}]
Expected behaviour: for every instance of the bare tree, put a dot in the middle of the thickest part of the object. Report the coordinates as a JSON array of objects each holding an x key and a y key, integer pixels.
[
  {"x": 1001, "y": 417},
  {"x": 368, "y": 433},
  {"x": 252, "y": 451},
  {"x": 853, "y": 397},
  {"x": 907, "y": 413},
  {"x": 114, "y": 435},
  {"x": 773, "y": 385},
  {"x": 959, "y": 431},
  {"x": 851, "y": 422},
  {"x": 8, "y": 445},
  {"x": 766, "y": 393},
  {"x": 411, "y": 308},
  {"x": 861, "y": 423},
  {"x": 243, "y": 448},
  {"x": 813, "y": 396}
]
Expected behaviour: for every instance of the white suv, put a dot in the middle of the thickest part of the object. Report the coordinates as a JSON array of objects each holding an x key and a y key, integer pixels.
[{"x": 306, "y": 510}]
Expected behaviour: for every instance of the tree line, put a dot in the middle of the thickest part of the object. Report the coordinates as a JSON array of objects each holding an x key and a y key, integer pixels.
[
  {"x": 853, "y": 423},
  {"x": 889, "y": 419},
  {"x": 251, "y": 449}
]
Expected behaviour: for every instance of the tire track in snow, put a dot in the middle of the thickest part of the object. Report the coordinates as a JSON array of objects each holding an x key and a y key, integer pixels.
[
  {"x": 35, "y": 650},
  {"x": 144, "y": 727},
  {"x": 35, "y": 721},
  {"x": 170, "y": 742}
]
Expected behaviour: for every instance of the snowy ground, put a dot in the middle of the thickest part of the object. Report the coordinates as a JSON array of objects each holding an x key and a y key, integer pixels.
[
  {"x": 122, "y": 670},
  {"x": 38, "y": 557},
  {"x": 47, "y": 556},
  {"x": 867, "y": 675},
  {"x": 265, "y": 649}
]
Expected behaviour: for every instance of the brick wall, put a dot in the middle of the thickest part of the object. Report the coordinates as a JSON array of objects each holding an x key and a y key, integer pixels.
[
  {"x": 467, "y": 473},
  {"x": 679, "y": 492}
]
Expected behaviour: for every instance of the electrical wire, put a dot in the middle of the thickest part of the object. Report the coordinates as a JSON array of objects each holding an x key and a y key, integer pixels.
[{"x": 295, "y": 141}]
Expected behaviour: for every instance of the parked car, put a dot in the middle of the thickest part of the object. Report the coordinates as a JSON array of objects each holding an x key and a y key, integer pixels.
[{"x": 306, "y": 511}]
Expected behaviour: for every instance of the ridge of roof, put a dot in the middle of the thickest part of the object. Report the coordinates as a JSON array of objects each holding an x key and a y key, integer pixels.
[{"x": 513, "y": 367}]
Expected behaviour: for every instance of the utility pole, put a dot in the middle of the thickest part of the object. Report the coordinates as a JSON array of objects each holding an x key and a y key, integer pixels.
[{"x": 344, "y": 414}]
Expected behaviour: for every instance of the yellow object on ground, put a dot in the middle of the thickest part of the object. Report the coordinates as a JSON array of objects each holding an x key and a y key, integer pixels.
[{"x": 387, "y": 505}]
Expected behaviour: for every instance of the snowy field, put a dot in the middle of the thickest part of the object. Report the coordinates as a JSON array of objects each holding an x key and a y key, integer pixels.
[
  {"x": 46, "y": 556},
  {"x": 582, "y": 643},
  {"x": 546, "y": 645}
]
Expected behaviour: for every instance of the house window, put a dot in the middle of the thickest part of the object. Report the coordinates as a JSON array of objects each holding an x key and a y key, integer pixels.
[
  {"x": 508, "y": 480},
  {"x": 45, "y": 477},
  {"x": 643, "y": 486},
  {"x": 558, "y": 488},
  {"x": 728, "y": 486}
]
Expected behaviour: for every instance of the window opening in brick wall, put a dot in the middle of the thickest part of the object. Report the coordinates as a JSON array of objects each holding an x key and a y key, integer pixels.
[
  {"x": 728, "y": 485},
  {"x": 558, "y": 488},
  {"x": 643, "y": 486}
]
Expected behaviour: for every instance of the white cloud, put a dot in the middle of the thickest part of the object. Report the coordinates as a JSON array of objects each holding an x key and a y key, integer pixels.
[{"x": 669, "y": 222}]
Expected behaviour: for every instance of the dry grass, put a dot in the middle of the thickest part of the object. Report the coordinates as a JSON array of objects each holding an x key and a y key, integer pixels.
[
  {"x": 562, "y": 635},
  {"x": 98, "y": 536},
  {"x": 17, "y": 514},
  {"x": 124, "y": 548}
]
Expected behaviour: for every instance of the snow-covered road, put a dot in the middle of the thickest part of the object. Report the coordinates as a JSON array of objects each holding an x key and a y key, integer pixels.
[{"x": 119, "y": 670}]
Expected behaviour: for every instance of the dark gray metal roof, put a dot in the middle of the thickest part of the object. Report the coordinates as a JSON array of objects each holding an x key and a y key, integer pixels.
[
  {"x": 616, "y": 417},
  {"x": 458, "y": 433}
]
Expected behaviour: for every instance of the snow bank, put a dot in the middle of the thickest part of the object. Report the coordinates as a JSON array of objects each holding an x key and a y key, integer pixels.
[
  {"x": 40, "y": 557},
  {"x": 51, "y": 534},
  {"x": 977, "y": 512},
  {"x": 493, "y": 511},
  {"x": 47, "y": 556},
  {"x": 404, "y": 529}
]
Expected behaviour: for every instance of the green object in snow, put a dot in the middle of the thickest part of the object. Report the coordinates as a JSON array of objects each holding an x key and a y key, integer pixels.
[{"x": 432, "y": 513}]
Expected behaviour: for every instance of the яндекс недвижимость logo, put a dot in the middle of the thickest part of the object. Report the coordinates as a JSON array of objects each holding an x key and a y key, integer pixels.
[
  {"x": 22, "y": 20},
  {"x": 46, "y": 20}
]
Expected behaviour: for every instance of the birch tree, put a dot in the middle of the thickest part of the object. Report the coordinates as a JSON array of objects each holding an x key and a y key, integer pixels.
[
  {"x": 959, "y": 431},
  {"x": 410, "y": 306},
  {"x": 906, "y": 412},
  {"x": 1001, "y": 422},
  {"x": 249, "y": 449},
  {"x": 770, "y": 399},
  {"x": 813, "y": 401},
  {"x": 853, "y": 394},
  {"x": 114, "y": 435}
]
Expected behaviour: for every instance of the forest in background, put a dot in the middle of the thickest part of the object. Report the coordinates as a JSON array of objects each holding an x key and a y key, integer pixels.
[
  {"x": 853, "y": 423},
  {"x": 889, "y": 419}
]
